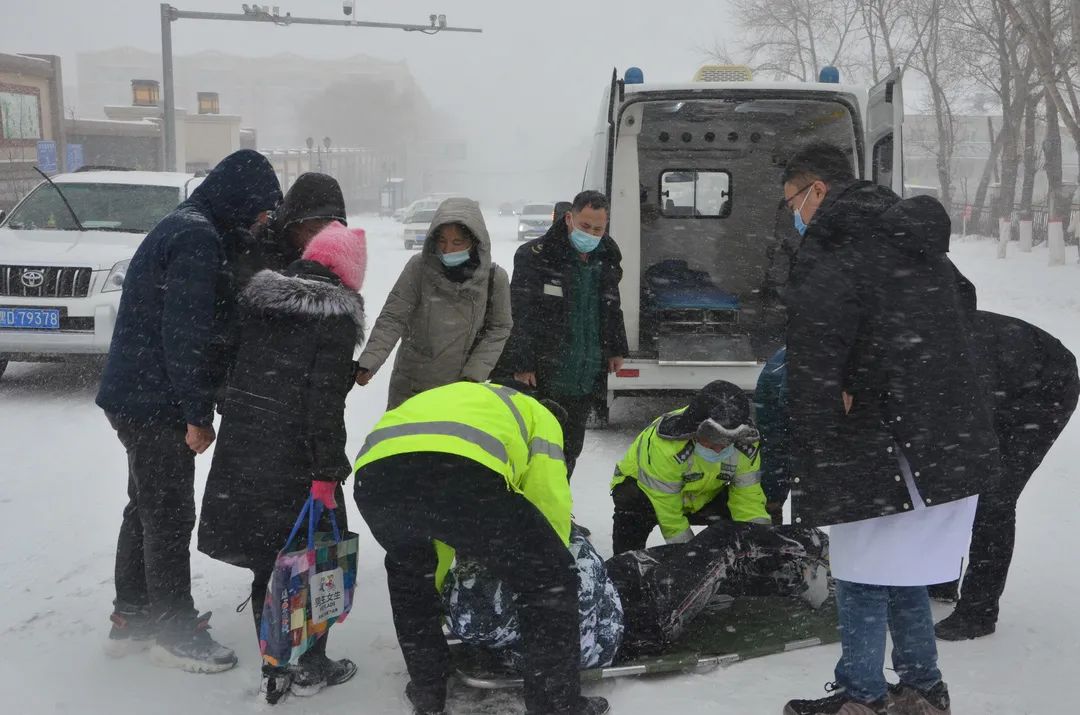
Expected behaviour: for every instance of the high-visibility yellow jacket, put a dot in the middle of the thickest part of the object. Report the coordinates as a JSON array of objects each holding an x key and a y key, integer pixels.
[
  {"x": 678, "y": 482},
  {"x": 504, "y": 430}
]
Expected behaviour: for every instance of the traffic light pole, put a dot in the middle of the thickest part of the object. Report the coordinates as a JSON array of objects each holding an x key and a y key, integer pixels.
[{"x": 170, "y": 14}]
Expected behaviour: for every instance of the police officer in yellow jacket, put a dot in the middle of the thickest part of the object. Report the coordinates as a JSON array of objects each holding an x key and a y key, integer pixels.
[
  {"x": 480, "y": 468},
  {"x": 693, "y": 465}
]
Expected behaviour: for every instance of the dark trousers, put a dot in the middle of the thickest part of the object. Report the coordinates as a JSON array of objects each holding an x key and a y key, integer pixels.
[
  {"x": 635, "y": 518},
  {"x": 153, "y": 560},
  {"x": 663, "y": 589},
  {"x": 577, "y": 411},
  {"x": 407, "y": 501}
]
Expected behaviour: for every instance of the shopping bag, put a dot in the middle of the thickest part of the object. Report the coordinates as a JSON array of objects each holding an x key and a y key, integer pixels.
[{"x": 310, "y": 589}]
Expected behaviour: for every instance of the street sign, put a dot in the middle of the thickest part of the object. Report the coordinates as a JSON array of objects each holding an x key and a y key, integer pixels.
[
  {"x": 74, "y": 157},
  {"x": 46, "y": 157}
]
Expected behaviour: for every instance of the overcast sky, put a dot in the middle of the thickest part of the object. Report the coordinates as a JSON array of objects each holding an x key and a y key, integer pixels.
[{"x": 526, "y": 90}]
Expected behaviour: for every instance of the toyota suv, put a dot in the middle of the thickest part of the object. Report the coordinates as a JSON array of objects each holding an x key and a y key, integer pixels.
[{"x": 64, "y": 250}]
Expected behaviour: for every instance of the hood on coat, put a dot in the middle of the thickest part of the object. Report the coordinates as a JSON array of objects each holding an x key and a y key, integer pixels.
[
  {"x": 918, "y": 226},
  {"x": 306, "y": 288},
  {"x": 467, "y": 213},
  {"x": 237, "y": 190},
  {"x": 312, "y": 195}
]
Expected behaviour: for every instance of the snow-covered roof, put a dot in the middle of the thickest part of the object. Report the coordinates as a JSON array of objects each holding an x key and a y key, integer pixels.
[{"x": 855, "y": 90}]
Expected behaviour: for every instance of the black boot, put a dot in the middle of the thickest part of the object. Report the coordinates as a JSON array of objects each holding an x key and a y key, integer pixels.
[
  {"x": 316, "y": 671},
  {"x": 959, "y": 627},
  {"x": 276, "y": 681}
]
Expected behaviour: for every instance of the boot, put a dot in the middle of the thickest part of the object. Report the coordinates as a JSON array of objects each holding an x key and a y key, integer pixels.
[
  {"x": 839, "y": 703},
  {"x": 958, "y": 627},
  {"x": 276, "y": 682},
  {"x": 316, "y": 671},
  {"x": 186, "y": 644},
  {"x": 906, "y": 700},
  {"x": 132, "y": 630}
]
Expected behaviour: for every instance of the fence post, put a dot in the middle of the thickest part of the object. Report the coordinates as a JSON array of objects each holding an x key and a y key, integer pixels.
[
  {"x": 1004, "y": 229},
  {"x": 1025, "y": 235},
  {"x": 1055, "y": 239}
]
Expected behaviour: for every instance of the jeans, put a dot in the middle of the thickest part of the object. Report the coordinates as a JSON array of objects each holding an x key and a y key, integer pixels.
[
  {"x": 865, "y": 612},
  {"x": 153, "y": 558},
  {"x": 410, "y": 499}
]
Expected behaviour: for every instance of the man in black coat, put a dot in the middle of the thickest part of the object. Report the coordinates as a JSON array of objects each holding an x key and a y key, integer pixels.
[
  {"x": 891, "y": 435},
  {"x": 165, "y": 362},
  {"x": 1032, "y": 382},
  {"x": 568, "y": 325}
]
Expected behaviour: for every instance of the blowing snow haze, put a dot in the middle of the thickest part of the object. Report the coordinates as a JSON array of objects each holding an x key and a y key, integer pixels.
[{"x": 521, "y": 98}]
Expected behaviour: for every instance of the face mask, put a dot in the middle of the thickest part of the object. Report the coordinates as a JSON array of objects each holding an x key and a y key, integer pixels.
[
  {"x": 800, "y": 225},
  {"x": 711, "y": 455},
  {"x": 454, "y": 259},
  {"x": 584, "y": 242}
]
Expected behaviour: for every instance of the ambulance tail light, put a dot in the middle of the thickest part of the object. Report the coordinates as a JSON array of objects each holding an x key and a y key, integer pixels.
[{"x": 628, "y": 372}]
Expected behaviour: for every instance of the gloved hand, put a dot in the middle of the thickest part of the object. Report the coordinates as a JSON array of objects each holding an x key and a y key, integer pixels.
[{"x": 323, "y": 492}]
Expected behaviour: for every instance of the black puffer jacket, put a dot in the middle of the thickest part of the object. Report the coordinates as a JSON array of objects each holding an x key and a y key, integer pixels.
[
  {"x": 283, "y": 418},
  {"x": 873, "y": 310},
  {"x": 541, "y": 305}
]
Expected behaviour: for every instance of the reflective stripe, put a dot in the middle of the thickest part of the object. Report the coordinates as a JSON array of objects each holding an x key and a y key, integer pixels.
[
  {"x": 657, "y": 485},
  {"x": 443, "y": 429},
  {"x": 747, "y": 479},
  {"x": 539, "y": 445},
  {"x": 513, "y": 408},
  {"x": 761, "y": 520},
  {"x": 681, "y": 538}
]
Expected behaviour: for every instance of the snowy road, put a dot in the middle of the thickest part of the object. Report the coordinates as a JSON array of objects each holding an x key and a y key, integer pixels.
[{"x": 62, "y": 482}]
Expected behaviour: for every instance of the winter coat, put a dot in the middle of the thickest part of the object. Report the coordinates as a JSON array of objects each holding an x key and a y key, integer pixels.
[
  {"x": 542, "y": 302},
  {"x": 873, "y": 311},
  {"x": 283, "y": 419},
  {"x": 482, "y": 611},
  {"x": 170, "y": 345},
  {"x": 450, "y": 330},
  {"x": 770, "y": 414}
]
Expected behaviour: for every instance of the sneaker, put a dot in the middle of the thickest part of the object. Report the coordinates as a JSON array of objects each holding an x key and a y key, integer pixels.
[
  {"x": 132, "y": 631},
  {"x": 189, "y": 647},
  {"x": 839, "y": 703},
  {"x": 316, "y": 672},
  {"x": 957, "y": 627},
  {"x": 276, "y": 683},
  {"x": 906, "y": 700}
]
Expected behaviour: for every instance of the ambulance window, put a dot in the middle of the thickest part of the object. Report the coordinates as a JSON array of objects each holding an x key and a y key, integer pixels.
[
  {"x": 689, "y": 193},
  {"x": 883, "y": 161}
]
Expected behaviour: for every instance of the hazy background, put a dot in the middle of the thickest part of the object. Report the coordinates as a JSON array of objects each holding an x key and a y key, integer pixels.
[{"x": 523, "y": 95}]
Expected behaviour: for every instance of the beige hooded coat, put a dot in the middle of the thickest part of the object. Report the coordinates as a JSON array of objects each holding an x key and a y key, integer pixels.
[{"x": 438, "y": 320}]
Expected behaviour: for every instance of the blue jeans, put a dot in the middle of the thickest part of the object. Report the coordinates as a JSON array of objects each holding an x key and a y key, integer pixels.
[{"x": 864, "y": 613}]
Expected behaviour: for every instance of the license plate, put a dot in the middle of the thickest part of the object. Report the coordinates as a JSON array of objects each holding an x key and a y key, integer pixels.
[{"x": 30, "y": 318}]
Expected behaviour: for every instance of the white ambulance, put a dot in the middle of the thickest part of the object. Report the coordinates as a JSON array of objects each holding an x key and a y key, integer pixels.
[{"x": 693, "y": 172}]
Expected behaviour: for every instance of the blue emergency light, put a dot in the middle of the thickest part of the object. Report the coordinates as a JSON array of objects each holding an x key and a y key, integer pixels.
[
  {"x": 633, "y": 75},
  {"x": 829, "y": 75}
]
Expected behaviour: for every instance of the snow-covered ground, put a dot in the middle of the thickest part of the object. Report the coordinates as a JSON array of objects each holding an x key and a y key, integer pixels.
[{"x": 62, "y": 487}]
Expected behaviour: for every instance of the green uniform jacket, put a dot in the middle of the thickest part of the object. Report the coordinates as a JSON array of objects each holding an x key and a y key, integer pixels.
[
  {"x": 678, "y": 482},
  {"x": 502, "y": 429}
]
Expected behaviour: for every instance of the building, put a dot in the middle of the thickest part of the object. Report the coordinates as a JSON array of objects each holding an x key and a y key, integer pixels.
[{"x": 31, "y": 122}]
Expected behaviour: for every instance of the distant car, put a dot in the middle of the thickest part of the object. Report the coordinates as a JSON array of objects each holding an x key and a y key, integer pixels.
[
  {"x": 59, "y": 285},
  {"x": 506, "y": 209},
  {"x": 416, "y": 225},
  {"x": 535, "y": 220}
]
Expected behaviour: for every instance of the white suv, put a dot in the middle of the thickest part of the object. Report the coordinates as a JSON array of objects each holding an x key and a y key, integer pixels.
[
  {"x": 535, "y": 220},
  {"x": 59, "y": 283}
]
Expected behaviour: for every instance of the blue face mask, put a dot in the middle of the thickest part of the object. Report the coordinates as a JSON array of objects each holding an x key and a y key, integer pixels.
[
  {"x": 800, "y": 225},
  {"x": 454, "y": 259},
  {"x": 711, "y": 455},
  {"x": 584, "y": 242}
]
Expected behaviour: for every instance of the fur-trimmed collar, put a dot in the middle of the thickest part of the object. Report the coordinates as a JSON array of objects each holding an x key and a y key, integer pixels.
[{"x": 304, "y": 295}]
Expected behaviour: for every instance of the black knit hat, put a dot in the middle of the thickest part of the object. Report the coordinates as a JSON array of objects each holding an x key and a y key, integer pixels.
[
  {"x": 313, "y": 195},
  {"x": 719, "y": 401}
]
